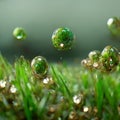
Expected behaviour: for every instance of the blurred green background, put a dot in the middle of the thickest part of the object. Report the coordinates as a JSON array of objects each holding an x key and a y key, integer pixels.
[{"x": 86, "y": 18}]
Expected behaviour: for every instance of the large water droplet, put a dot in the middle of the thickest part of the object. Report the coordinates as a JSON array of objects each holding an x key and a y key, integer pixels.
[{"x": 62, "y": 38}]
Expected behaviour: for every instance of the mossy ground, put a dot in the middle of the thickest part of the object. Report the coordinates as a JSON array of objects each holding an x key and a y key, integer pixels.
[{"x": 70, "y": 92}]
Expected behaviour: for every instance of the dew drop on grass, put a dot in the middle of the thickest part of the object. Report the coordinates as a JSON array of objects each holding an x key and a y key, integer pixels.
[
  {"x": 39, "y": 66},
  {"x": 2, "y": 83},
  {"x": 46, "y": 80},
  {"x": 77, "y": 99},
  {"x": 13, "y": 89},
  {"x": 85, "y": 109},
  {"x": 72, "y": 115}
]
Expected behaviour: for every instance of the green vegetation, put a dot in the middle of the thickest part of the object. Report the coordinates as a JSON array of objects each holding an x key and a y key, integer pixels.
[{"x": 69, "y": 92}]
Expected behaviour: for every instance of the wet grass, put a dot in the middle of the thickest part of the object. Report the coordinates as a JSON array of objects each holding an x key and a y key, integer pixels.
[{"x": 68, "y": 93}]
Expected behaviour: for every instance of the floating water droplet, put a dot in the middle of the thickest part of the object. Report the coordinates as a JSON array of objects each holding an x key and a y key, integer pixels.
[
  {"x": 62, "y": 38},
  {"x": 19, "y": 33},
  {"x": 39, "y": 66},
  {"x": 114, "y": 26},
  {"x": 2, "y": 83},
  {"x": 46, "y": 80}
]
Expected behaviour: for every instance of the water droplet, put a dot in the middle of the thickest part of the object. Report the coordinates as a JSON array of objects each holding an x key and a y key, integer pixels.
[
  {"x": 85, "y": 109},
  {"x": 47, "y": 80},
  {"x": 19, "y": 33},
  {"x": 13, "y": 89},
  {"x": 94, "y": 55},
  {"x": 77, "y": 99},
  {"x": 114, "y": 26},
  {"x": 2, "y": 83},
  {"x": 109, "y": 58},
  {"x": 73, "y": 115},
  {"x": 95, "y": 65},
  {"x": 62, "y": 38},
  {"x": 39, "y": 66},
  {"x": 87, "y": 63}
]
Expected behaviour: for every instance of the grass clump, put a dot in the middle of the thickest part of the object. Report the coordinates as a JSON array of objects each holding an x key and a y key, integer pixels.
[{"x": 67, "y": 93}]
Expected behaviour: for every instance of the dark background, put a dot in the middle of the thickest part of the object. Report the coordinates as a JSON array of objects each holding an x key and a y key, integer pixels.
[{"x": 86, "y": 18}]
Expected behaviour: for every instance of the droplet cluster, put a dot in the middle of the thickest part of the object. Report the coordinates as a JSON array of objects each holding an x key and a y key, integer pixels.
[{"x": 105, "y": 61}]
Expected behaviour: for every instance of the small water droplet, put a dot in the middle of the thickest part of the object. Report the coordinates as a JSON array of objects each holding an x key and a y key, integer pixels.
[
  {"x": 13, "y": 89},
  {"x": 2, "y": 83},
  {"x": 77, "y": 99},
  {"x": 46, "y": 80},
  {"x": 19, "y": 33},
  {"x": 114, "y": 26},
  {"x": 95, "y": 65},
  {"x": 72, "y": 115},
  {"x": 85, "y": 109}
]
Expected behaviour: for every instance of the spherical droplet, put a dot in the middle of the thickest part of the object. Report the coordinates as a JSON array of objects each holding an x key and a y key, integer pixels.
[
  {"x": 114, "y": 26},
  {"x": 62, "y": 39},
  {"x": 77, "y": 99},
  {"x": 13, "y": 89},
  {"x": 109, "y": 58},
  {"x": 73, "y": 116},
  {"x": 85, "y": 109},
  {"x": 19, "y": 33},
  {"x": 94, "y": 55},
  {"x": 39, "y": 66},
  {"x": 2, "y": 83},
  {"x": 87, "y": 63}
]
